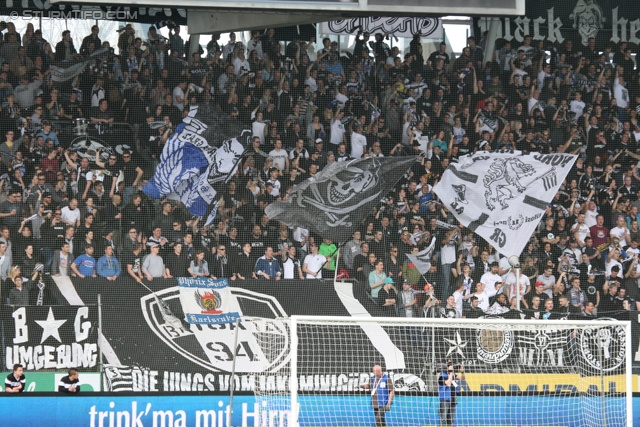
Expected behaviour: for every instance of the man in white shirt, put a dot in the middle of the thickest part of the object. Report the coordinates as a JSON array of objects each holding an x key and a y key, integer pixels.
[
  {"x": 313, "y": 263},
  {"x": 524, "y": 285},
  {"x": 483, "y": 298},
  {"x": 358, "y": 142},
  {"x": 577, "y": 105},
  {"x": 71, "y": 213},
  {"x": 620, "y": 232},
  {"x": 178, "y": 95},
  {"x": 620, "y": 92},
  {"x": 337, "y": 128},
  {"x": 492, "y": 282},
  {"x": 279, "y": 156},
  {"x": 580, "y": 230},
  {"x": 591, "y": 215}
]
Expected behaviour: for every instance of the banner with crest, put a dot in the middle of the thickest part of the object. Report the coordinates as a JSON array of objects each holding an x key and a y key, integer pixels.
[{"x": 207, "y": 301}]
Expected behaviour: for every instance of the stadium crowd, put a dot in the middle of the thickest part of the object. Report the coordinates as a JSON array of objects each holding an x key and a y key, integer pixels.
[{"x": 76, "y": 212}]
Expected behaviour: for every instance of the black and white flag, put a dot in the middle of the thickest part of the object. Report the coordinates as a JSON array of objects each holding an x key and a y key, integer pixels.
[
  {"x": 422, "y": 260},
  {"x": 503, "y": 196},
  {"x": 67, "y": 70},
  {"x": 338, "y": 198}
]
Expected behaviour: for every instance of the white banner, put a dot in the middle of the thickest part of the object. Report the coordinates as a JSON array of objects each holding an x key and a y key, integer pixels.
[
  {"x": 428, "y": 28},
  {"x": 207, "y": 301},
  {"x": 503, "y": 196}
]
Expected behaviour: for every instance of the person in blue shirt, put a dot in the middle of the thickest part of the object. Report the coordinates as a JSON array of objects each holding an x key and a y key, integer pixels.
[
  {"x": 382, "y": 394},
  {"x": 85, "y": 265},
  {"x": 448, "y": 388},
  {"x": 267, "y": 267},
  {"x": 108, "y": 265}
]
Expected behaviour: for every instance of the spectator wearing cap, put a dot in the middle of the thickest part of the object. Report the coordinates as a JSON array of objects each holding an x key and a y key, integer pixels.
[
  {"x": 85, "y": 265},
  {"x": 387, "y": 298},
  {"x": 108, "y": 265}
]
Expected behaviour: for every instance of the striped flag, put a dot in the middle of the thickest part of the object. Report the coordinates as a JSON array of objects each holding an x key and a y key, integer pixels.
[{"x": 503, "y": 196}]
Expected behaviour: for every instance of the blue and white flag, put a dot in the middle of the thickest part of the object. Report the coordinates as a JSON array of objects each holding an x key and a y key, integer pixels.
[
  {"x": 207, "y": 301},
  {"x": 204, "y": 152},
  {"x": 503, "y": 196}
]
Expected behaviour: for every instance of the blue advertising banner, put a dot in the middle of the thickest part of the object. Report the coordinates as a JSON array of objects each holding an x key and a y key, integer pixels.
[{"x": 206, "y": 410}]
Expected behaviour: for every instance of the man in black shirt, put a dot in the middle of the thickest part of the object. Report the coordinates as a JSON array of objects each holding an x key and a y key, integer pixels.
[
  {"x": 243, "y": 265},
  {"x": 176, "y": 262},
  {"x": 133, "y": 263},
  {"x": 132, "y": 174},
  {"x": 70, "y": 383}
]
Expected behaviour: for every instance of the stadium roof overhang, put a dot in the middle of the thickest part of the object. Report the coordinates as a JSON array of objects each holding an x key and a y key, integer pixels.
[{"x": 205, "y": 16}]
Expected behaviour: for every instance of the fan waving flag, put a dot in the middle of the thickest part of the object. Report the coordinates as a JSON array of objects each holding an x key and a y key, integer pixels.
[
  {"x": 338, "y": 198},
  {"x": 207, "y": 301},
  {"x": 204, "y": 152},
  {"x": 66, "y": 70},
  {"x": 422, "y": 260},
  {"x": 503, "y": 196}
]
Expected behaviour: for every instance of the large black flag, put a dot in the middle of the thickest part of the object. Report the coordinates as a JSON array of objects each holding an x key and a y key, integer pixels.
[{"x": 338, "y": 198}]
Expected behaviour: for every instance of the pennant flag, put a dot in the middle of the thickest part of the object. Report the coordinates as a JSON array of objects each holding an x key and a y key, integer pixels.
[
  {"x": 206, "y": 301},
  {"x": 204, "y": 152},
  {"x": 66, "y": 70},
  {"x": 503, "y": 196},
  {"x": 335, "y": 201},
  {"x": 422, "y": 260}
]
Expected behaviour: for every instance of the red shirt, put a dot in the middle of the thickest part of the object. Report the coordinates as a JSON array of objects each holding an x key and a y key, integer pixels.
[{"x": 600, "y": 235}]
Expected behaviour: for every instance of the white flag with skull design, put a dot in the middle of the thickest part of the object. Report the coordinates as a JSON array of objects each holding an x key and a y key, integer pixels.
[{"x": 503, "y": 196}]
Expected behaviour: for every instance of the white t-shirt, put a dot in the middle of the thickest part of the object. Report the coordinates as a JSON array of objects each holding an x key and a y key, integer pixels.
[
  {"x": 279, "y": 158},
  {"x": 178, "y": 93},
  {"x": 619, "y": 232},
  {"x": 523, "y": 285},
  {"x": 620, "y": 93},
  {"x": 577, "y": 107},
  {"x": 358, "y": 145},
  {"x": 583, "y": 231},
  {"x": 337, "y": 132},
  {"x": 489, "y": 279},
  {"x": 70, "y": 215},
  {"x": 315, "y": 263},
  {"x": 483, "y": 300},
  {"x": 590, "y": 218}
]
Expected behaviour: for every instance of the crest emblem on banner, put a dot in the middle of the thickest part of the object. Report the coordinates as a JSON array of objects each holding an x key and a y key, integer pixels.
[
  {"x": 208, "y": 301},
  {"x": 210, "y": 345}
]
